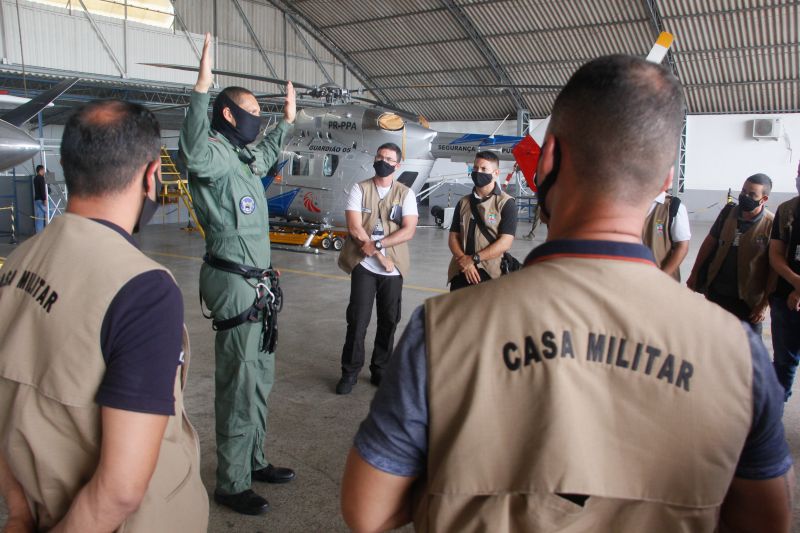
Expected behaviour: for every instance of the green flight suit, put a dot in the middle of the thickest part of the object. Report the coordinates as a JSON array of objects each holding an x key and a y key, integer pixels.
[{"x": 231, "y": 206}]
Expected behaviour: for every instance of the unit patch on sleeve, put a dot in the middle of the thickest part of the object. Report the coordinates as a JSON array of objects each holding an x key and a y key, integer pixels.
[{"x": 247, "y": 205}]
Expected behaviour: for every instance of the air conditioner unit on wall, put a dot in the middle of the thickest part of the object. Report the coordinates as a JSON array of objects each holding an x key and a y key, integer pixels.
[{"x": 767, "y": 128}]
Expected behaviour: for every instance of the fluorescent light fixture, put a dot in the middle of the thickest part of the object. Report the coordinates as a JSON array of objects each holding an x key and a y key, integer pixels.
[{"x": 158, "y": 13}]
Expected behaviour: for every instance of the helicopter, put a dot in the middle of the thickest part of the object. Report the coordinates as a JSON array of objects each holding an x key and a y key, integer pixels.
[
  {"x": 332, "y": 147},
  {"x": 16, "y": 146}
]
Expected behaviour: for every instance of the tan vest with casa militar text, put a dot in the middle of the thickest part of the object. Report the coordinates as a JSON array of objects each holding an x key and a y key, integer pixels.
[
  {"x": 656, "y": 234},
  {"x": 572, "y": 380},
  {"x": 490, "y": 211},
  {"x": 351, "y": 255},
  {"x": 752, "y": 256},
  {"x": 56, "y": 289}
]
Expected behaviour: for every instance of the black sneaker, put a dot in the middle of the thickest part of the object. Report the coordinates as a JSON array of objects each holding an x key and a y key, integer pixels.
[
  {"x": 245, "y": 502},
  {"x": 273, "y": 474},
  {"x": 376, "y": 378},
  {"x": 345, "y": 385}
]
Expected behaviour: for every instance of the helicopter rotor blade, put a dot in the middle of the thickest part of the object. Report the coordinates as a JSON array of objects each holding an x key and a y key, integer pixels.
[
  {"x": 469, "y": 86},
  {"x": 254, "y": 77}
]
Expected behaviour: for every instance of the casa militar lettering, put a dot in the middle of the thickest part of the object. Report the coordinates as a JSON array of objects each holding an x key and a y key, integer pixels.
[
  {"x": 32, "y": 284},
  {"x": 602, "y": 349}
]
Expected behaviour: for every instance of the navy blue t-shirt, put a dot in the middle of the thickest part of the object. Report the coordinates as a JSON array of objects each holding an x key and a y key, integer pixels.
[{"x": 141, "y": 340}]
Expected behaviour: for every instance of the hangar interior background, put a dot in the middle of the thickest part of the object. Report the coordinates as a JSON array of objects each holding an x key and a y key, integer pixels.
[{"x": 738, "y": 60}]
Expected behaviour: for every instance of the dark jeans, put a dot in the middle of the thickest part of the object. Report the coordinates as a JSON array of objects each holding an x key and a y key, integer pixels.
[
  {"x": 460, "y": 281},
  {"x": 785, "y": 342},
  {"x": 366, "y": 287},
  {"x": 736, "y": 307}
]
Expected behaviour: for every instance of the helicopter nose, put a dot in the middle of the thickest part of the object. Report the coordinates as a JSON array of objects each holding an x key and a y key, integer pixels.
[{"x": 16, "y": 146}]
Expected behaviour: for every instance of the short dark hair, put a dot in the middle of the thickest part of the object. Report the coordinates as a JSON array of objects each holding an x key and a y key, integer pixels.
[
  {"x": 488, "y": 156},
  {"x": 104, "y": 143},
  {"x": 393, "y": 147},
  {"x": 621, "y": 119},
  {"x": 39, "y": 167},
  {"x": 236, "y": 93},
  {"x": 763, "y": 180}
]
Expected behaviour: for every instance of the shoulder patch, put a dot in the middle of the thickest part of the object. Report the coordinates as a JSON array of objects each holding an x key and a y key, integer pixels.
[{"x": 247, "y": 205}]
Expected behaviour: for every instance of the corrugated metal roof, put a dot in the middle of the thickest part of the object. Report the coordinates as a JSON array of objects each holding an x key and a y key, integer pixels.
[{"x": 738, "y": 56}]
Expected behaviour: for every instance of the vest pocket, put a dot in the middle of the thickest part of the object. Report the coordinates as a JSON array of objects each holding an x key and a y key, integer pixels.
[{"x": 172, "y": 472}]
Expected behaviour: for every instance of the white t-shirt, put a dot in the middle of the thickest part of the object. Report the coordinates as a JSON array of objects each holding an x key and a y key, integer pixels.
[
  {"x": 354, "y": 201},
  {"x": 679, "y": 231}
]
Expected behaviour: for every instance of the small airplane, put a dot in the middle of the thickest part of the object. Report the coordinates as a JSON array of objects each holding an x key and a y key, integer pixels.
[
  {"x": 333, "y": 146},
  {"x": 16, "y": 146}
]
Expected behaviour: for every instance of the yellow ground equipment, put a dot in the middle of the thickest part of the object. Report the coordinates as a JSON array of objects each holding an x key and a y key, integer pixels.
[{"x": 174, "y": 189}]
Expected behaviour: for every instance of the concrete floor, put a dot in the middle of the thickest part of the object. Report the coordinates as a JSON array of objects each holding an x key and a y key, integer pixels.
[{"x": 311, "y": 428}]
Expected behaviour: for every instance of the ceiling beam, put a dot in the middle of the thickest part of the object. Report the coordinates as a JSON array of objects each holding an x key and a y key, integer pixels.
[
  {"x": 488, "y": 54},
  {"x": 338, "y": 53}
]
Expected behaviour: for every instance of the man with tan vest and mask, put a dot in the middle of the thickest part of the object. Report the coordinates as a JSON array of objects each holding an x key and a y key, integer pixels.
[
  {"x": 483, "y": 227},
  {"x": 732, "y": 266},
  {"x": 559, "y": 398},
  {"x": 93, "y": 351},
  {"x": 381, "y": 216},
  {"x": 667, "y": 233}
]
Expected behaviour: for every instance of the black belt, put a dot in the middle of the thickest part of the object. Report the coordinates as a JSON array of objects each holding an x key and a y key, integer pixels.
[{"x": 268, "y": 301}]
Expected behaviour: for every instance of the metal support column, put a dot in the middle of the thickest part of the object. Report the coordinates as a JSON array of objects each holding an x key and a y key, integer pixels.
[
  {"x": 102, "y": 38},
  {"x": 5, "y": 34},
  {"x": 523, "y": 122}
]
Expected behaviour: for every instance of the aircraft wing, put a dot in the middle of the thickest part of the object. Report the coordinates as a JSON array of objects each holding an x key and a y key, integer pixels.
[
  {"x": 27, "y": 111},
  {"x": 464, "y": 146}
]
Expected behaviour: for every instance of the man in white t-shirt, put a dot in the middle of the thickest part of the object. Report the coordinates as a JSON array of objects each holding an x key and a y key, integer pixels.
[
  {"x": 381, "y": 218},
  {"x": 666, "y": 232}
]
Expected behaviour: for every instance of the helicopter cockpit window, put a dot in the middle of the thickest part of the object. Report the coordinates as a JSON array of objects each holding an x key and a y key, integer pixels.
[
  {"x": 408, "y": 178},
  {"x": 299, "y": 165},
  {"x": 329, "y": 164}
]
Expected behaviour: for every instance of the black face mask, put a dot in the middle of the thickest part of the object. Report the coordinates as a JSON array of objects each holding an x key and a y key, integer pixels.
[
  {"x": 247, "y": 125},
  {"x": 382, "y": 168},
  {"x": 149, "y": 208},
  {"x": 748, "y": 204},
  {"x": 481, "y": 179},
  {"x": 549, "y": 180}
]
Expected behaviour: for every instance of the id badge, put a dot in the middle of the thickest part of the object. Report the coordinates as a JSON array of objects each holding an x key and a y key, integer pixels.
[
  {"x": 797, "y": 253},
  {"x": 736, "y": 239}
]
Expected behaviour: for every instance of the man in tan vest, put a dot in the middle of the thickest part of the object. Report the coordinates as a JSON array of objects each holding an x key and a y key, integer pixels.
[
  {"x": 381, "y": 218},
  {"x": 560, "y": 398},
  {"x": 732, "y": 266},
  {"x": 784, "y": 302},
  {"x": 93, "y": 351},
  {"x": 478, "y": 248},
  {"x": 667, "y": 233}
]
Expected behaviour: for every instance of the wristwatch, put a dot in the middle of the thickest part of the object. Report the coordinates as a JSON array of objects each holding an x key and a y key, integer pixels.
[
  {"x": 378, "y": 245},
  {"x": 476, "y": 258}
]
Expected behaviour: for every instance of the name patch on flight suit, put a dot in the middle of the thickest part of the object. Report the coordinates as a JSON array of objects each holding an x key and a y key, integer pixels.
[
  {"x": 612, "y": 351},
  {"x": 247, "y": 205}
]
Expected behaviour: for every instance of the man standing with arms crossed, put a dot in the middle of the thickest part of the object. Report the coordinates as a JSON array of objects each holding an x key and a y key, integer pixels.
[{"x": 228, "y": 196}]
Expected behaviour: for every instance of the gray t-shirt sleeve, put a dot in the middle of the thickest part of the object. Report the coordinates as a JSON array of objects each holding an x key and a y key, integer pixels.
[
  {"x": 766, "y": 454},
  {"x": 394, "y": 436}
]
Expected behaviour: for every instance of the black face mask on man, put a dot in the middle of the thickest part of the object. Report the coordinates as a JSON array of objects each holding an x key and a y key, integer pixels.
[
  {"x": 481, "y": 179},
  {"x": 382, "y": 168},
  {"x": 247, "y": 125},
  {"x": 149, "y": 207},
  {"x": 748, "y": 204}
]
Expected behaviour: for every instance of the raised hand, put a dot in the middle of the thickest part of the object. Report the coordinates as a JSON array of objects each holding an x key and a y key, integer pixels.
[
  {"x": 290, "y": 107},
  {"x": 204, "y": 78}
]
